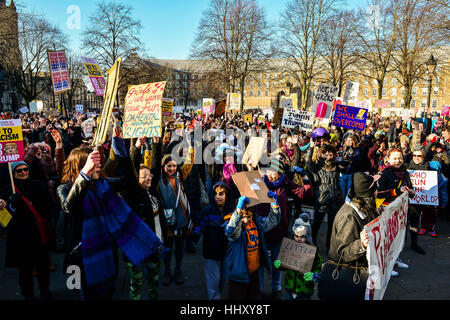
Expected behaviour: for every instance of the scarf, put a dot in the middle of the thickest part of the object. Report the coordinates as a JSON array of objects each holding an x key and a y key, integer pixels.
[
  {"x": 288, "y": 152},
  {"x": 228, "y": 170},
  {"x": 398, "y": 172},
  {"x": 274, "y": 185},
  {"x": 109, "y": 222}
]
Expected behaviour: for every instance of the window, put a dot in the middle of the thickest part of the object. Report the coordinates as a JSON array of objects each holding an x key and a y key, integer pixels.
[
  {"x": 394, "y": 81},
  {"x": 251, "y": 85},
  {"x": 424, "y": 91},
  {"x": 414, "y": 90},
  {"x": 436, "y": 79},
  {"x": 366, "y": 92},
  {"x": 393, "y": 102},
  {"x": 434, "y": 103},
  {"x": 402, "y": 103},
  {"x": 384, "y": 81},
  {"x": 436, "y": 91},
  {"x": 384, "y": 91},
  {"x": 403, "y": 91},
  {"x": 366, "y": 82},
  {"x": 374, "y": 92},
  {"x": 245, "y": 93},
  {"x": 394, "y": 92},
  {"x": 259, "y": 93},
  {"x": 424, "y": 103},
  {"x": 413, "y": 103},
  {"x": 177, "y": 76},
  {"x": 374, "y": 82},
  {"x": 267, "y": 85},
  {"x": 251, "y": 93},
  {"x": 267, "y": 93}
]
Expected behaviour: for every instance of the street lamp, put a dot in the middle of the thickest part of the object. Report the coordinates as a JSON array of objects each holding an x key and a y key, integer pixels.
[{"x": 431, "y": 68}]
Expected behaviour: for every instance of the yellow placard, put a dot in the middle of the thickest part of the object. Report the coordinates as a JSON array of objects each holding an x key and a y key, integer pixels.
[
  {"x": 248, "y": 118},
  {"x": 5, "y": 218}
]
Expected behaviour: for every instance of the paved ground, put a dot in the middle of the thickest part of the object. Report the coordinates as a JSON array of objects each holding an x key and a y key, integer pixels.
[{"x": 428, "y": 277}]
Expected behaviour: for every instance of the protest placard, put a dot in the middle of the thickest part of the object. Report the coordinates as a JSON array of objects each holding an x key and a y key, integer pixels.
[
  {"x": 254, "y": 150},
  {"x": 251, "y": 185},
  {"x": 297, "y": 118},
  {"x": 381, "y": 104},
  {"x": 350, "y": 117},
  {"x": 166, "y": 108},
  {"x": 33, "y": 107},
  {"x": 143, "y": 110},
  {"x": 248, "y": 118},
  {"x": 233, "y": 101},
  {"x": 286, "y": 103},
  {"x": 24, "y": 110},
  {"x": 351, "y": 92},
  {"x": 95, "y": 75},
  {"x": 425, "y": 185},
  {"x": 323, "y": 101},
  {"x": 11, "y": 141},
  {"x": 88, "y": 127},
  {"x": 268, "y": 113},
  {"x": 208, "y": 106},
  {"x": 386, "y": 241},
  {"x": 297, "y": 256},
  {"x": 364, "y": 104},
  {"x": 219, "y": 110},
  {"x": 5, "y": 217},
  {"x": 79, "y": 108},
  {"x": 278, "y": 116},
  {"x": 59, "y": 71},
  {"x": 445, "y": 111},
  {"x": 109, "y": 101}
]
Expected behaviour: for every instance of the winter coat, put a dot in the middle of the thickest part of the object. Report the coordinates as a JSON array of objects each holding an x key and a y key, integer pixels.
[
  {"x": 236, "y": 256},
  {"x": 327, "y": 192},
  {"x": 389, "y": 185}
]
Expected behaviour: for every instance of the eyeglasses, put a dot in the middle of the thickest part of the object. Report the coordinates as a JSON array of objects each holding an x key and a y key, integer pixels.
[{"x": 22, "y": 170}]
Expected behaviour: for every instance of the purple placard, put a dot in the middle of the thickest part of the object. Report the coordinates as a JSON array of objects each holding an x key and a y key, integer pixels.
[{"x": 350, "y": 117}]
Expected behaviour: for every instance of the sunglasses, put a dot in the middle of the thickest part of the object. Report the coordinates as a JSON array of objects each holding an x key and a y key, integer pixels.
[
  {"x": 417, "y": 156},
  {"x": 22, "y": 170}
]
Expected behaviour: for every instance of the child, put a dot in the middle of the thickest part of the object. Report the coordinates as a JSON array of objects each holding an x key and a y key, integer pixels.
[
  {"x": 247, "y": 250},
  {"x": 299, "y": 286}
]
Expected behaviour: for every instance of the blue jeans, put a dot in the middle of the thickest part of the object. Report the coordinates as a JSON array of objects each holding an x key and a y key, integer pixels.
[
  {"x": 215, "y": 278},
  {"x": 345, "y": 181},
  {"x": 274, "y": 248}
]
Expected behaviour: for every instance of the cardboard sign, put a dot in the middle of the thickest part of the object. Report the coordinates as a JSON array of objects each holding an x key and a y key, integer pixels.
[
  {"x": 143, "y": 110},
  {"x": 167, "y": 107},
  {"x": 208, "y": 106},
  {"x": 297, "y": 118},
  {"x": 11, "y": 141},
  {"x": 5, "y": 218},
  {"x": 254, "y": 150},
  {"x": 425, "y": 185},
  {"x": 350, "y": 117},
  {"x": 297, "y": 256},
  {"x": 95, "y": 75},
  {"x": 323, "y": 101},
  {"x": 220, "y": 108},
  {"x": 109, "y": 101},
  {"x": 278, "y": 116},
  {"x": 386, "y": 241},
  {"x": 251, "y": 185},
  {"x": 59, "y": 71},
  {"x": 79, "y": 108}
]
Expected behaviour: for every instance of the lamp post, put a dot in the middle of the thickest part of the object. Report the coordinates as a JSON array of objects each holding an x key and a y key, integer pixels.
[{"x": 431, "y": 68}]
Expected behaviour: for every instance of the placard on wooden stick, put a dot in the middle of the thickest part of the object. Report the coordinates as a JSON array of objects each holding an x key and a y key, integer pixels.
[{"x": 297, "y": 256}]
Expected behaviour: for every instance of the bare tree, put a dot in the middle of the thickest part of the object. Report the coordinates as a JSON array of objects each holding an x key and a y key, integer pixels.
[
  {"x": 28, "y": 68},
  {"x": 235, "y": 36},
  {"x": 418, "y": 35},
  {"x": 301, "y": 28},
  {"x": 338, "y": 48}
]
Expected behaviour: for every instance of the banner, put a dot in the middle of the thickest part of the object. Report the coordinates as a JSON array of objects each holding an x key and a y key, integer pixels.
[
  {"x": 109, "y": 101},
  {"x": 59, "y": 71},
  {"x": 425, "y": 185},
  {"x": 233, "y": 101},
  {"x": 208, "y": 106},
  {"x": 351, "y": 92},
  {"x": 95, "y": 75},
  {"x": 297, "y": 118},
  {"x": 143, "y": 110},
  {"x": 350, "y": 117},
  {"x": 323, "y": 101},
  {"x": 297, "y": 256},
  {"x": 386, "y": 241},
  {"x": 11, "y": 141},
  {"x": 381, "y": 104}
]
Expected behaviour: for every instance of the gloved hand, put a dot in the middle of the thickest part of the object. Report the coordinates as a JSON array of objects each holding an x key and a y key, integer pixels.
[
  {"x": 311, "y": 276},
  {"x": 273, "y": 195},
  {"x": 277, "y": 264},
  {"x": 242, "y": 202}
]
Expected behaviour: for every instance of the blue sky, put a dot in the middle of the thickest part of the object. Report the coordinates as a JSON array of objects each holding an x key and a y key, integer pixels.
[{"x": 169, "y": 26}]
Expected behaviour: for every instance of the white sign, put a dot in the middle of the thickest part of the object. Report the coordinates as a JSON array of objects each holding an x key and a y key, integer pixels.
[
  {"x": 297, "y": 118},
  {"x": 323, "y": 101},
  {"x": 40, "y": 105},
  {"x": 365, "y": 104},
  {"x": 33, "y": 107},
  {"x": 79, "y": 108},
  {"x": 425, "y": 185},
  {"x": 269, "y": 113},
  {"x": 24, "y": 110},
  {"x": 351, "y": 92},
  {"x": 386, "y": 241},
  {"x": 233, "y": 101},
  {"x": 286, "y": 103}
]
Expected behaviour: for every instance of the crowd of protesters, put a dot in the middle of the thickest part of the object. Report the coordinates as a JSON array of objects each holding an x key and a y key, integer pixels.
[{"x": 151, "y": 198}]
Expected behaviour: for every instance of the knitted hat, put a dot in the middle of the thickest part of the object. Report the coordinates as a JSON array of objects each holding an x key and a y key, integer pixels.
[
  {"x": 302, "y": 228},
  {"x": 30, "y": 156},
  {"x": 14, "y": 165},
  {"x": 363, "y": 186}
]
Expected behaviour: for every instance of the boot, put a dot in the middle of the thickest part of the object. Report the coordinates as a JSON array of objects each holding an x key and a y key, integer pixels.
[
  {"x": 167, "y": 279},
  {"x": 414, "y": 244}
]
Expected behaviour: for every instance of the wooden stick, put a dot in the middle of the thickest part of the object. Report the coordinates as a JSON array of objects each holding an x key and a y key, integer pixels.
[{"x": 12, "y": 178}]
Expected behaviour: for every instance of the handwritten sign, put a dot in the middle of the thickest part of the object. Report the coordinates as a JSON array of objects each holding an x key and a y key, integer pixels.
[
  {"x": 286, "y": 103},
  {"x": 386, "y": 241},
  {"x": 323, "y": 101},
  {"x": 425, "y": 185},
  {"x": 95, "y": 75},
  {"x": 381, "y": 104},
  {"x": 143, "y": 110},
  {"x": 59, "y": 71},
  {"x": 351, "y": 92},
  {"x": 297, "y": 256},
  {"x": 108, "y": 104},
  {"x": 11, "y": 141},
  {"x": 350, "y": 117},
  {"x": 79, "y": 108},
  {"x": 445, "y": 111},
  {"x": 297, "y": 118},
  {"x": 233, "y": 101},
  {"x": 364, "y": 104},
  {"x": 248, "y": 118},
  {"x": 254, "y": 150},
  {"x": 167, "y": 107}
]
